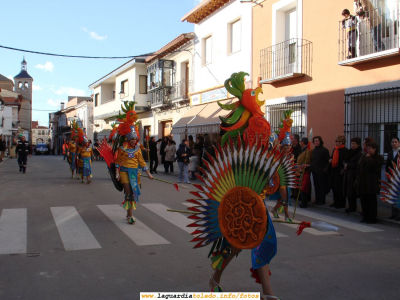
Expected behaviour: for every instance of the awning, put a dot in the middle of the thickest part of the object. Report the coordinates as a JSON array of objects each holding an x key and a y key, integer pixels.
[
  {"x": 180, "y": 126},
  {"x": 208, "y": 121},
  {"x": 201, "y": 119}
]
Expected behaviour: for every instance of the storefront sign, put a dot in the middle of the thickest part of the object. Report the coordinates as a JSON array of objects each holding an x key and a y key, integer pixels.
[
  {"x": 213, "y": 95},
  {"x": 195, "y": 99}
]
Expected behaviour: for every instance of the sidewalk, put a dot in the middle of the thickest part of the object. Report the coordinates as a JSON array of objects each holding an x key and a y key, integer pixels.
[{"x": 384, "y": 210}]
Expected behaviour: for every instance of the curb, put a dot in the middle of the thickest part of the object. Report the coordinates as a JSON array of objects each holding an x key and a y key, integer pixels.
[{"x": 355, "y": 215}]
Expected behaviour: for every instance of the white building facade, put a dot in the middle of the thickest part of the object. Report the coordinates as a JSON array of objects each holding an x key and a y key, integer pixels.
[
  {"x": 223, "y": 42},
  {"x": 126, "y": 83}
]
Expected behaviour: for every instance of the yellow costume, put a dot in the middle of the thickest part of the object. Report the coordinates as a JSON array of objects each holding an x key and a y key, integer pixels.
[{"x": 85, "y": 160}]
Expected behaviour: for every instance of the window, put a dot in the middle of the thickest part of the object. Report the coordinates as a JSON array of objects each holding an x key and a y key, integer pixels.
[
  {"x": 96, "y": 100},
  {"x": 125, "y": 87},
  {"x": 142, "y": 84},
  {"x": 234, "y": 36},
  {"x": 207, "y": 51},
  {"x": 167, "y": 72},
  {"x": 26, "y": 85}
]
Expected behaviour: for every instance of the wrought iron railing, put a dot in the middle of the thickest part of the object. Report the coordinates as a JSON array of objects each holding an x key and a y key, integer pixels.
[
  {"x": 291, "y": 56},
  {"x": 165, "y": 95},
  {"x": 275, "y": 112},
  {"x": 375, "y": 114},
  {"x": 181, "y": 89},
  {"x": 369, "y": 32}
]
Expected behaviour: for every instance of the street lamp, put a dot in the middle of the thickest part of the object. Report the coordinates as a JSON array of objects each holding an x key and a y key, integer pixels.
[{"x": 121, "y": 95}]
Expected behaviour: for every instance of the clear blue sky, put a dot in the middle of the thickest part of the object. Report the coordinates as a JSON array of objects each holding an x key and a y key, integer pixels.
[{"x": 90, "y": 28}]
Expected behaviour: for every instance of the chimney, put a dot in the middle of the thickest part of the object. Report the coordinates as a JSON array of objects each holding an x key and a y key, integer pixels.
[{"x": 62, "y": 105}]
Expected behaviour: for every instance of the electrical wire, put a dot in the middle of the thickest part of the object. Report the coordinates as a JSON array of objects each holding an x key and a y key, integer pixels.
[{"x": 76, "y": 56}]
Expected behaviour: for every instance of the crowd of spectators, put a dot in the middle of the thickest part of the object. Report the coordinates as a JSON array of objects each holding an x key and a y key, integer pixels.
[{"x": 349, "y": 173}]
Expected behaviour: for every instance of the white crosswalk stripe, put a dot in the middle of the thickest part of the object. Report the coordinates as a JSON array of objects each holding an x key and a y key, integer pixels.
[
  {"x": 74, "y": 233},
  {"x": 13, "y": 231},
  {"x": 177, "y": 219},
  {"x": 306, "y": 230},
  {"x": 139, "y": 233}
]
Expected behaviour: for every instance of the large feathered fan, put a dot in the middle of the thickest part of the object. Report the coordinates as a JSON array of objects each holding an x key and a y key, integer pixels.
[
  {"x": 390, "y": 192},
  {"x": 228, "y": 208}
]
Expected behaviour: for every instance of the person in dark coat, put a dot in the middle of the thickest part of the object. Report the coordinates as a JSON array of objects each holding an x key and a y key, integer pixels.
[
  {"x": 23, "y": 149},
  {"x": 2, "y": 148},
  {"x": 320, "y": 159},
  {"x": 392, "y": 158},
  {"x": 153, "y": 155},
  {"x": 351, "y": 159},
  {"x": 164, "y": 143},
  {"x": 296, "y": 148},
  {"x": 208, "y": 149},
  {"x": 337, "y": 172},
  {"x": 367, "y": 182}
]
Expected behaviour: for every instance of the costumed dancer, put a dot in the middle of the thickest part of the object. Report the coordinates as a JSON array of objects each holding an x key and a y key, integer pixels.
[
  {"x": 125, "y": 158},
  {"x": 23, "y": 149},
  {"x": 390, "y": 191},
  {"x": 282, "y": 195},
  {"x": 229, "y": 210},
  {"x": 85, "y": 155},
  {"x": 76, "y": 140}
]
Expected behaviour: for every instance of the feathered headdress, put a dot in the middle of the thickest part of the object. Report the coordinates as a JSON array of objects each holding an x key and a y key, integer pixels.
[
  {"x": 127, "y": 129},
  {"x": 77, "y": 132}
]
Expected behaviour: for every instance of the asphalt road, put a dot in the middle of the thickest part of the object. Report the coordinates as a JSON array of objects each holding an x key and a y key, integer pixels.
[{"x": 61, "y": 239}]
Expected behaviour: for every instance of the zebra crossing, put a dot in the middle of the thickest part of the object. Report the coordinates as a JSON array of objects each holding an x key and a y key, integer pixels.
[{"x": 76, "y": 235}]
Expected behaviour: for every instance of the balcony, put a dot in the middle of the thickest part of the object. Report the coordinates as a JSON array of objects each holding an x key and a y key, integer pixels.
[
  {"x": 369, "y": 36},
  {"x": 181, "y": 89},
  {"x": 286, "y": 60},
  {"x": 160, "y": 97}
]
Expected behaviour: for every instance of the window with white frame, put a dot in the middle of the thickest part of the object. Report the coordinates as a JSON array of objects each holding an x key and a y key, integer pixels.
[
  {"x": 207, "y": 51},
  {"x": 234, "y": 36}
]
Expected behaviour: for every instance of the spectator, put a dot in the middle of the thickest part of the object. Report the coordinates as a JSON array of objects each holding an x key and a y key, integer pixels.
[
  {"x": 194, "y": 160},
  {"x": 320, "y": 159},
  {"x": 349, "y": 23},
  {"x": 337, "y": 172},
  {"x": 96, "y": 152},
  {"x": 191, "y": 142},
  {"x": 183, "y": 154},
  {"x": 296, "y": 148},
  {"x": 65, "y": 149},
  {"x": 164, "y": 143},
  {"x": 208, "y": 149},
  {"x": 367, "y": 182},
  {"x": 393, "y": 156},
  {"x": 2, "y": 148},
  {"x": 366, "y": 141},
  {"x": 365, "y": 9},
  {"x": 153, "y": 155},
  {"x": 304, "y": 161},
  {"x": 351, "y": 159},
  {"x": 170, "y": 151}
]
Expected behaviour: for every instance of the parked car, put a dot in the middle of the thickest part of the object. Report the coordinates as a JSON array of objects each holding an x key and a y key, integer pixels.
[{"x": 42, "y": 149}]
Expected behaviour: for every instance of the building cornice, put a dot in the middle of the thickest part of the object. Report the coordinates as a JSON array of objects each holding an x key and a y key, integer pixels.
[
  {"x": 203, "y": 10},
  {"x": 118, "y": 70}
]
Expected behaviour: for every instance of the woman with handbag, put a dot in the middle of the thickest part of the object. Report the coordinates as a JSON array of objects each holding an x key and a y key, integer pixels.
[
  {"x": 184, "y": 153},
  {"x": 337, "y": 172}
]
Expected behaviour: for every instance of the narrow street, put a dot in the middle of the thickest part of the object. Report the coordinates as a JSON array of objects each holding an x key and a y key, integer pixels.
[{"x": 61, "y": 239}]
